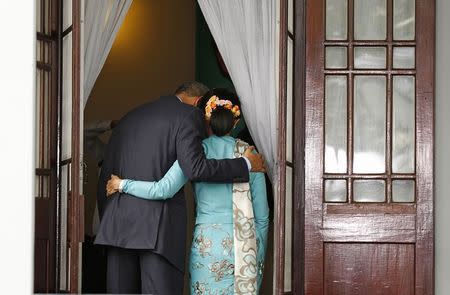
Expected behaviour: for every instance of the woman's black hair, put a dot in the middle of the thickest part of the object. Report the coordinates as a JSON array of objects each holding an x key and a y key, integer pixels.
[{"x": 222, "y": 119}]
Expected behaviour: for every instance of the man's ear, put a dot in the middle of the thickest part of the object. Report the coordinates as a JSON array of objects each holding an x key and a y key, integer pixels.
[{"x": 197, "y": 100}]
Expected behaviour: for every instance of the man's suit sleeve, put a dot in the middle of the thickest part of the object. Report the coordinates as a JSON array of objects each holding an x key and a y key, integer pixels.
[
  {"x": 105, "y": 174},
  {"x": 192, "y": 159}
]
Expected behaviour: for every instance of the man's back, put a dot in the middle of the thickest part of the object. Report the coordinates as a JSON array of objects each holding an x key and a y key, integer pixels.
[
  {"x": 143, "y": 143},
  {"x": 143, "y": 146}
]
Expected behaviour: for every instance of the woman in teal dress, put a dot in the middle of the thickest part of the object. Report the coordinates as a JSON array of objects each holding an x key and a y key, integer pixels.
[{"x": 230, "y": 234}]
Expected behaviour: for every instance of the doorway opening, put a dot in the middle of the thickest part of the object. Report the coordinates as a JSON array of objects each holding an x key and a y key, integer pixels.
[{"x": 153, "y": 53}]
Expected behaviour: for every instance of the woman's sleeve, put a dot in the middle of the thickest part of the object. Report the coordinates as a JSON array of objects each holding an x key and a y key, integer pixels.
[
  {"x": 163, "y": 189},
  {"x": 261, "y": 213}
]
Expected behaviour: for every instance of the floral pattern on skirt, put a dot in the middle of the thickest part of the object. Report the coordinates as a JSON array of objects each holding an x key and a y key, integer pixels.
[{"x": 211, "y": 265}]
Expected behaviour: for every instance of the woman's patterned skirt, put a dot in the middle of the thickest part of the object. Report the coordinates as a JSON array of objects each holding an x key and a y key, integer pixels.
[{"x": 211, "y": 265}]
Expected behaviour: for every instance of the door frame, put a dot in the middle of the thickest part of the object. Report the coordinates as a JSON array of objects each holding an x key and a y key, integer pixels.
[
  {"x": 299, "y": 88},
  {"x": 298, "y": 97},
  {"x": 280, "y": 209},
  {"x": 425, "y": 33},
  {"x": 76, "y": 204},
  {"x": 425, "y": 120}
]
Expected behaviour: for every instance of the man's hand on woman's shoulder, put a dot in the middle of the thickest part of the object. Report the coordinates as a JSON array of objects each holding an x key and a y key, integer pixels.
[{"x": 256, "y": 160}]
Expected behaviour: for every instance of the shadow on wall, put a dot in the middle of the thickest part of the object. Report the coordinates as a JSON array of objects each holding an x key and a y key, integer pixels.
[{"x": 153, "y": 53}]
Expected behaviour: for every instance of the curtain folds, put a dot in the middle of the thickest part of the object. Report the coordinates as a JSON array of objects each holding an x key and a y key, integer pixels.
[
  {"x": 245, "y": 33},
  {"x": 103, "y": 19}
]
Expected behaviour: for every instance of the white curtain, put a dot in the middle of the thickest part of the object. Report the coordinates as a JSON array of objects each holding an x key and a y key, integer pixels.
[
  {"x": 245, "y": 33},
  {"x": 103, "y": 19}
]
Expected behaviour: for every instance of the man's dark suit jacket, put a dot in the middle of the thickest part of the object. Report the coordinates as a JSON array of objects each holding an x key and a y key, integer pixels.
[{"x": 143, "y": 146}]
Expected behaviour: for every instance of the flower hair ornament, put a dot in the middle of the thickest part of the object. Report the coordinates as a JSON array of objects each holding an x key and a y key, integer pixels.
[{"x": 215, "y": 102}]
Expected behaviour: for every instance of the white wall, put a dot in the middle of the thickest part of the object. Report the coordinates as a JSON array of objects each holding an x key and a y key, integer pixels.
[
  {"x": 17, "y": 80},
  {"x": 442, "y": 172}
]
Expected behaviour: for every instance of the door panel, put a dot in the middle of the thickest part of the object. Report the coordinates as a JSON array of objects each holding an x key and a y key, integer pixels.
[
  {"x": 369, "y": 147},
  {"x": 353, "y": 271}
]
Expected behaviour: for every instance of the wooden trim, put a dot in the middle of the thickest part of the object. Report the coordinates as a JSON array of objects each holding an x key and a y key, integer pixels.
[
  {"x": 74, "y": 230},
  {"x": 41, "y": 8},
  {"x": 367, "y": 43},
  {"x": 313, "y": 255},
  {"x": 43, "y": 37},
  {"x": 389, "y": 103},
  {"x": 280, "y": 217},
  {"x": 299, "y": 88},
  {"x": 44, "y": 66},
  {"x": 59, "y": 165},
  {"x": 366, "y": 208},
  {"x": 425, "y": 51},
  {"x": 368, "y": 176},
  {"x": 370, "y": 72},
  {"x": 350, "y": 98},
  {"x": 43, "y": 171}
]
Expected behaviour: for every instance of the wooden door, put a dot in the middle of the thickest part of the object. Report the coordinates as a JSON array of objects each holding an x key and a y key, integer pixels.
[
  {"x": 46, "y": 146},
  {"x": 368, "y": 197},
  {"x": 58, "y": 202},
  {"x": 71, "y": 215}
]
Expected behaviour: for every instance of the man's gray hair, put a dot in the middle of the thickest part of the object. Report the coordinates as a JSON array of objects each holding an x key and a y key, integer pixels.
[{"x": 192, "y": 89}]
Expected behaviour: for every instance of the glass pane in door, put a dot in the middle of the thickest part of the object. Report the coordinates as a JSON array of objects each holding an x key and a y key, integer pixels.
[
  {"x": 66, "y": 145},
  {"x": 336, "y": 57},
  {"x": 403, "y": 191},
  {"x": 336, "y": 19},
  {"x": 404, "y": 19},
  {"x": 336, "y": 124},
  {"x": 289, "y": 101},
  {"x": 370, "y": 20},
  {"x": 335, "y": 190},
  {"x": 67, "y": 13},
  {"x": 404, "y": 57},
  {"x": 403, "y": 125},
  {"x": 370, "y": 57},
  {"x": 288, "y": 231},
  {"x": 369, "y": 125},
  {"x": 63, "y": 270},
  {"x": 369, "y": 191},
  {"x": 291, "y": 16}
]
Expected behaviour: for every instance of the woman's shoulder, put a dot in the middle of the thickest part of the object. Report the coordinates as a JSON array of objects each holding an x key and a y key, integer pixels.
[
  {"x": 208, "y": 141},
  {"x": 227, "y": 140},
  {"x": 228, "y": 143}
]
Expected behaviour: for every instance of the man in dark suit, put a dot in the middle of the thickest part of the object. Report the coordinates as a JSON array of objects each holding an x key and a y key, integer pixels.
[{"x": 146, "y": 239}]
